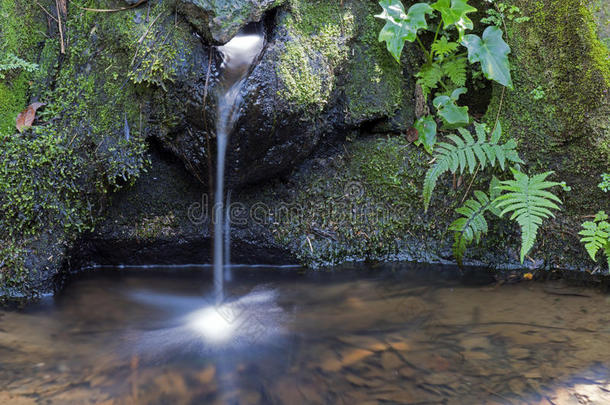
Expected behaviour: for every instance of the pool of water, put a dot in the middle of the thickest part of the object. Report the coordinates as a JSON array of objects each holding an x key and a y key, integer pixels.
[{"x": 395, "y": 334}]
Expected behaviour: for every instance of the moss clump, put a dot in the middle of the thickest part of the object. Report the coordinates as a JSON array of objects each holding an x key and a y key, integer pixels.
[
  {"x": 365, "y": 204},
  {"x": 376, "y": 84},
  {"x": 90, "y": 138},
  {"x": 155, "y": 227},
  {"x": 20, "y": 32},
  {"x": 319, "y": 32},
  {"x": 303, "y": 85}
]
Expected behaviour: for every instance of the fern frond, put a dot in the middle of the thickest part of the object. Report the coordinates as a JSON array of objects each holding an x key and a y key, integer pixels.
[
  {"x": 455, "y": 69},
  {"x": 529, "y": 202},
  {"x": 429, "y": 76},
  {"x": 466, "y": 153},
  {"x": 442, "y": 47},
  {"x": 596, "y": 236},
  {"x": 471, "y": 225}
]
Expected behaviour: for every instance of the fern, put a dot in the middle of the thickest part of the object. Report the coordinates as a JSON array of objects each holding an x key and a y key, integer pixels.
[
  {"x": 9, "y": 62},
  {"x": 466, "y": 153},
  {"x": 429, "y": 76},
  {"x": 596, "y": 236},
  {"x": 530, "y": 203},
  {"x": 442, "y": 47},
  {"x": 471, "y": 225},
  {"x": 455, "y": 69},
  {"x": 605, "y": 184}
]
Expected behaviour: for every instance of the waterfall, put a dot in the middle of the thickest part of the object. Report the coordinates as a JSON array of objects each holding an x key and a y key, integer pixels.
[{"x": 238, "y": 55}]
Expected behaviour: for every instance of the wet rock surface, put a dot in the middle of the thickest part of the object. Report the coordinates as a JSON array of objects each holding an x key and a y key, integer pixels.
[
  {"x": 295, "y": 95},
  {"x": 219, "y": 21},
  {"x": 165, "y": 219}
]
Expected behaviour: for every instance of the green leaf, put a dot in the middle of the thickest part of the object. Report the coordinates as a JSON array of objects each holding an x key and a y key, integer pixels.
[
  {"x": 492, "y": 52},
  {"x": 454, "y": 12},
  {"x": 596, "y": 236},
  {"x": 426, "y": 128},
  {"x": 450, "y": 111},
  {"x": 465, "y": 153},
  {"x": 455, "y": 69},
  {"x": 442, "y": 47},
  {"x": 471, "y": 225},
  {"x": 529, "y": 202},
  {"x": 429, "y": 76},
  {"x": 401, "y": 26}
]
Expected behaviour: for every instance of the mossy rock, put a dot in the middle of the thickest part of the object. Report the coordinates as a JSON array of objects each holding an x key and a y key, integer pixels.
[
  {"x": 376, "y": 86},
  {"x": 560, "y": 113},
  {"x": 219, "y": 20}
]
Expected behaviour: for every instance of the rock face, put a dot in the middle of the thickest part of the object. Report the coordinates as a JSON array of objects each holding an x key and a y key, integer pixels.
[
  {"x": 217, "y": 21},
  {"x": 559, "y": 57},
  {"x": 305, "y": 85},
  {"x": 126, "y": 83}
]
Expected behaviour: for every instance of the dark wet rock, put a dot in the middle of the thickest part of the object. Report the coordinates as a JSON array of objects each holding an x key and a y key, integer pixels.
[
  {"x": 163, "y": 219},
  {"x": 322, "y": 73}
]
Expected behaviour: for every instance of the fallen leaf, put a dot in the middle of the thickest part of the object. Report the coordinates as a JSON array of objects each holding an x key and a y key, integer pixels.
[
  {"x": 25, "y": 119},
  {"x": 528, "y": 276}
]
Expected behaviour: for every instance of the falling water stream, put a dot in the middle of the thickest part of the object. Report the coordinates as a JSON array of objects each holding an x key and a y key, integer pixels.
[{"x": 238, "y": 55}]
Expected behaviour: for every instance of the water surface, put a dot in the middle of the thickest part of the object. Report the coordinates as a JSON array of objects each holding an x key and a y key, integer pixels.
[{"x": 391, "y": 334}]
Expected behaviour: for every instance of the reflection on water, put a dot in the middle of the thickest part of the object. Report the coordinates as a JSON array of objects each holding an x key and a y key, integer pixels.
[{"x": 389, "y": 335}]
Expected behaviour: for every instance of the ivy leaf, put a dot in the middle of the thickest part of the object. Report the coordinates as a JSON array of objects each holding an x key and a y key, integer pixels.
[
  {"x": 454, "y": 12},
  {"x": 449, "y": 110},
  {"x": 401, "y": 26},
  {"x": 426, "y": 127},
  {"x": 492, "y": 52}
]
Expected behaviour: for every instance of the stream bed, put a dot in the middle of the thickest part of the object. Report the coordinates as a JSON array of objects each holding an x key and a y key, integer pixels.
[{"x": 366, "y": 334}]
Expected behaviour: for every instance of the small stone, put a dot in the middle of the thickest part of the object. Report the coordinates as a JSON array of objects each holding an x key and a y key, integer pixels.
[
  {"x": 391, "y": 361},
  {"x": 206, "y": 376},
  {"x": 475, "y": 342},
  {"x": 364, "y": 342},
  {"x": 518, "y": 353},
  {"x": 408, "y": 372},
  {"x": 532, "y": 374},
  {"x": 476, "y": 355},
  {"x": 440, "y": 378}
]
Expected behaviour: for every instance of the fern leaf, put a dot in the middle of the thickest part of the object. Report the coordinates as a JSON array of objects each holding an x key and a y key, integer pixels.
[
  {"x": 429, "y": 76},
  {"x": 529, "y": 202},
  {"x": 471, "y": 225},
  {"x": 466, "y": 153},
  {"x": 442, "y": 47},
  {"x": 596, "y": 236},
  {"x": 455, "y": 69}
]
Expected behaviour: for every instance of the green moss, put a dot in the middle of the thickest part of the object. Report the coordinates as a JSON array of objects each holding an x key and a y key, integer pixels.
[
  {"x": 13, "y": 273},
  {"x": 20, "y": 32},
  {"x": 303, "y": 85},
  {"x": 319, "y": 32},
  {"x": 568, "y": 130},
  {"x": 376, "y": 80},
  {"x": 366, "y": 204},
  {"x": 90, "y": 137},
  {"x": 155, "y": 227}
]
